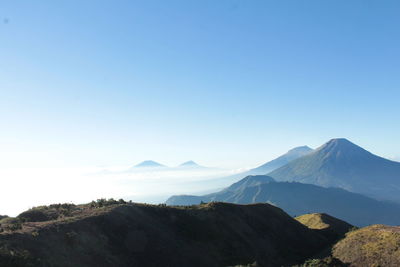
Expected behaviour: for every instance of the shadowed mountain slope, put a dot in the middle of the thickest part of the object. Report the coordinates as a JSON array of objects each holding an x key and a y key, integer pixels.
[
  {"x": 340, "y": 163},
  {"x": 297, "y": 198},
  {"x": 215, "y": 234}
]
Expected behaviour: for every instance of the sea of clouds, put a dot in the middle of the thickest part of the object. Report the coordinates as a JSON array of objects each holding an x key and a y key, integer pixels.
[{"x": 24, "y": 188}]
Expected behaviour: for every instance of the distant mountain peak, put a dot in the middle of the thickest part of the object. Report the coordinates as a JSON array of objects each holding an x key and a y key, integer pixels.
[
  {"x": 189, "y": 163},
  {"x": 292, "y": 154},
  {"x": 341, "y": 163},
  {"x": 149, "y": 164},
  {"x": 341, "y": 145},
  {"x": 341, "y": 142},
  {"x": 300, "y": 149}
]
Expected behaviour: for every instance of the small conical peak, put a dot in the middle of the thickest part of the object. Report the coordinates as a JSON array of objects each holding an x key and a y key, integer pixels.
[
  {"x": 149, "y": 163},
  {"x": 189, "y": 163}
]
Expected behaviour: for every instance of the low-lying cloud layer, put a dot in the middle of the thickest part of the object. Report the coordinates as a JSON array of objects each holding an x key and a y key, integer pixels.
[{"x": 32, "y": 187}]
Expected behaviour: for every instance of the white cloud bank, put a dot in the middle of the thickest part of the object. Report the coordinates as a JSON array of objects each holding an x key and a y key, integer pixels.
[{"x": 25, "y": 188}]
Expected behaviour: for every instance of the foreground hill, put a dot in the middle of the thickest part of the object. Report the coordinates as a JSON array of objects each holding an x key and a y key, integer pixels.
[
  {"x": 111, "y": 234},
  {"x": 297, "y": 198},
  {"x": 329, "y": 226},
  {"x": 376, "y": 245},
  {"x": 340, "y": 163}
]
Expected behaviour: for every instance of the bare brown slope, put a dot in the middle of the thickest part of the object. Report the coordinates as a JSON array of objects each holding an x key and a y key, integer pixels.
[
  {"x": 216, "y": 234},
  {"x": 329, "y": 226},
  {"x": 376, "y": 245}
]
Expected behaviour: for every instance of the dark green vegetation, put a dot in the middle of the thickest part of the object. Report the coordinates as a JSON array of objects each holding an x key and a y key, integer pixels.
[
  {"x": 324, "y": 262},
  {"x": 106, "y": 233},
  {"x": 47, "y": 213},
  {"x": 340, "y": 163},
  {"x": 376, "y": 245},
  {"x": 10, "y": 224},
  {"x": 297, "y": 198}
]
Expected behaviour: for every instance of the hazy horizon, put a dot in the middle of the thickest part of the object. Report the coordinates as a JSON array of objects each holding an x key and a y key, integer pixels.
[
  {"x": 44, "y": 186},
  {"x": 90, "y": 85}
]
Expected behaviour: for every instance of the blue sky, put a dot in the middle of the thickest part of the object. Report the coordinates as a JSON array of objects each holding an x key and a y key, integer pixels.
[{"x": 225, "y": 83}]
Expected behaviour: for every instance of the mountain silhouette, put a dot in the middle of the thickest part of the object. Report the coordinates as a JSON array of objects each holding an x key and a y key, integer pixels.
[
  {"x": 340, "y": 163},
  {"x": 191, "y": 165},
  {"x": 298, "y": 198},
  {"x": 149, "y": 164}
]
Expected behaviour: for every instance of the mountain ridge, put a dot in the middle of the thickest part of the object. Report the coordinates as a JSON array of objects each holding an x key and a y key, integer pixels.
[
  {"x": 299, "y": 198},
  {"x": 341, "y": 163}
]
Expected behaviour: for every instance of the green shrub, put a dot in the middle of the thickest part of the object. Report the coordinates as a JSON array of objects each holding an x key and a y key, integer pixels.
[
  {"x": 102, "y": 202},
  {"x": 254, "y": 264},
  {"x": 326, "y": 262},
  {"x": 47, "y": 213},
  {"x": 16, "y": 258},
  {"x": 10, "y": 224}
]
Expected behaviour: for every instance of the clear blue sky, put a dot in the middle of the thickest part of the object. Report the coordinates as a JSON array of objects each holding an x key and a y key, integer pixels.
[{"x": 225, "y": 83}]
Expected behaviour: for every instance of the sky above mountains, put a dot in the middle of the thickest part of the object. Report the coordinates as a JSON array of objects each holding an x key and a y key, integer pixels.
[{"x": 225, "y": 83}]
